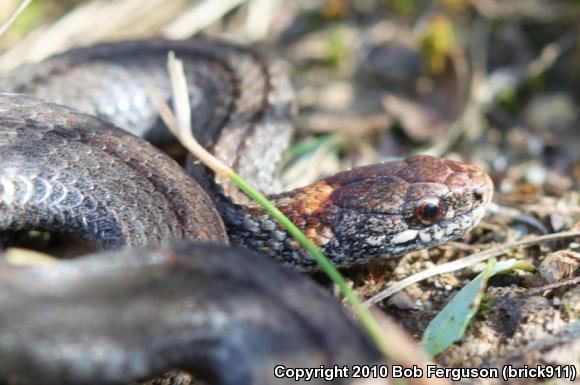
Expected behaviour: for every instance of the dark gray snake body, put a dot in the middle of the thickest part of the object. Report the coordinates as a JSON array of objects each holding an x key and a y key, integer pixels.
[
  {"x": 68, "y": 173},
  {"x": 62, "y": 172},
  {"x": 225, "y": 314}
]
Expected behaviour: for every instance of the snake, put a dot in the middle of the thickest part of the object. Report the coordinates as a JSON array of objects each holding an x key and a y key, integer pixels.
[
  {"x": 76, "y": 162},
  {"x": 242, "y": 110},
  {"x": 228, "y": 315}
]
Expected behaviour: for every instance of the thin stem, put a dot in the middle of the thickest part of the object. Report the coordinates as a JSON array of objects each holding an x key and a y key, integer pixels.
[
  {"x": 363, "y": 313},
  {"x": 181, "y": 127},
  {"x": 4, "y": 27}
]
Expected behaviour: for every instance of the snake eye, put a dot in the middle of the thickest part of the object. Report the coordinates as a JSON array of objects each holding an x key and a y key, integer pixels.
[{"x": 429, "y": 211}]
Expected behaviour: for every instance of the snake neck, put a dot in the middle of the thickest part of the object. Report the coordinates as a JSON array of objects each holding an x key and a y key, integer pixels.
[{"x": 308, "y": 208}]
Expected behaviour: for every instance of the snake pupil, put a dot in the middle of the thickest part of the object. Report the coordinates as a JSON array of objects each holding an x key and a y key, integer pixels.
[{"x": 430, "y": 211}]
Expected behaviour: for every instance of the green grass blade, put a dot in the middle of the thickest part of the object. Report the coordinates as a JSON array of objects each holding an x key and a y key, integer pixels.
[
  {"x": 364, "y": 315},
  {"x": 180, "y": 125},
  {"x": 450, "y": 324}
]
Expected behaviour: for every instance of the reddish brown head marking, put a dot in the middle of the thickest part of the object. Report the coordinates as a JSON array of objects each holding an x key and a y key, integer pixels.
[{"x": 306, "y": 208}]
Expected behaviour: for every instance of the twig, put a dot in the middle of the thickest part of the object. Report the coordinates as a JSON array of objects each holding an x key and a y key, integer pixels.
[
  {"x": 466, "y": 262},
  {"x": 552, "y": 286}
]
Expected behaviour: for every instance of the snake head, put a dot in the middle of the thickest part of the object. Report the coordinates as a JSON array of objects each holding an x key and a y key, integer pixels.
[{"x": 396, "y": 207}]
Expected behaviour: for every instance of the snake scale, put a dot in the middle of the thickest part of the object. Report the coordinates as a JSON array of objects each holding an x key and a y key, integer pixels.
[{"x": 69, "y": 173}]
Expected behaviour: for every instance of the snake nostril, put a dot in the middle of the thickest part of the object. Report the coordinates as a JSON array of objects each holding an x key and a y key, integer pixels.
[{"x": 478, "y": 196}]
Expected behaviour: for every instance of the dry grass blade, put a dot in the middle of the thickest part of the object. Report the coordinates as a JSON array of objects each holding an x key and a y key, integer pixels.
[
  {"x": 260, "y": 17},
  {"x": 200, "y": 16},
  {"x": 539, "y": 290},
  {"x": 180, "y": 126},
  {"x": 163, "y": 110},
  {"x": 4, "y": 27},
  {"x": 180, "y": 96},
  {"x": 408, "y": 352},
  {"x": 466, "y": 262},
  {"x": 85, "y": 24}
]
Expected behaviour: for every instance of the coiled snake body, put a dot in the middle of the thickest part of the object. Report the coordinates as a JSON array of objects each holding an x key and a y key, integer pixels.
[
  {"x": 68, "y": 173},
  {"x": 242, "y": 109}
]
